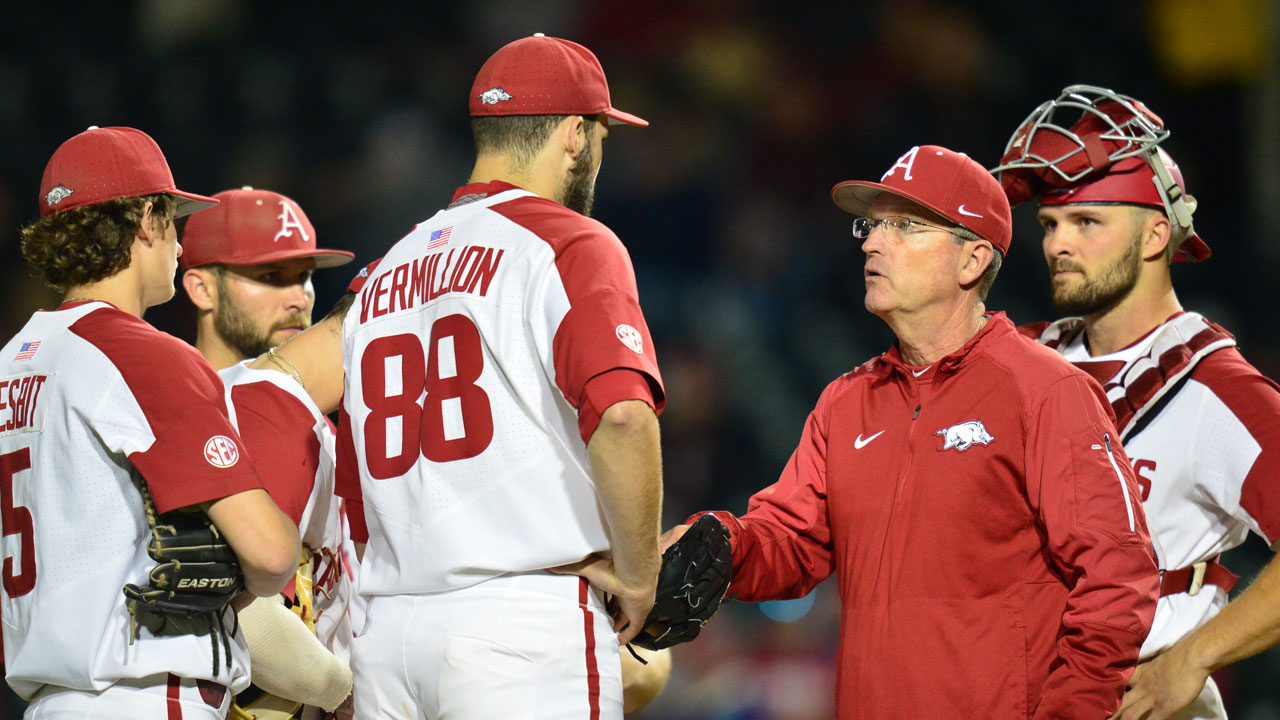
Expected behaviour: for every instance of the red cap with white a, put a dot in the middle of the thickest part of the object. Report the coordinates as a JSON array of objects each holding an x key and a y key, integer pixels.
[
  {"x": 252, "y": 227},
  {"x": 103, "y": 164},
  {"x": 948, "y": 183},
  {"x": 543, "y": 75}
]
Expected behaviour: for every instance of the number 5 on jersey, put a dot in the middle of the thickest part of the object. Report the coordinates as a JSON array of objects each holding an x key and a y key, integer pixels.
[
  {"x": 17, "y": 520},
  {"x": 452, "y": 365}
]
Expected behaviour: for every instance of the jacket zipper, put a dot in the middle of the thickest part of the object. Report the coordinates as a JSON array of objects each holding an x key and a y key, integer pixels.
[{"x": 1124, "y": 491}]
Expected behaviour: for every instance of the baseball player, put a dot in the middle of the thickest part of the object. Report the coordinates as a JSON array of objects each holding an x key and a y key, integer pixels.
[
  {"x": 1201, "y": 424},
  {"x": 966, "y": 487},
  {"x": 98, "y": 407},
  {"x": 502, "y": 396},
  {"x": 248, "y": 265}
]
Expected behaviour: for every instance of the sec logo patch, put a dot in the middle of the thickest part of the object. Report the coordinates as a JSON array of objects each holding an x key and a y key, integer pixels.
[
  {"x": 631, "y": 338},
  {"x": 221, "y": 451}
]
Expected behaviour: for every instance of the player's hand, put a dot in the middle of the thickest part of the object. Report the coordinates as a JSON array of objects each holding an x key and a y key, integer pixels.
[
  {"x": 627, "y": 603},
  {"x": 669, "y": 538},
  {"x": 1162, "y": 687}
]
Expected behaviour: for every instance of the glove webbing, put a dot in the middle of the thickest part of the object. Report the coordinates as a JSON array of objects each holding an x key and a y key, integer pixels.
[{"x": 220, "y": 628}]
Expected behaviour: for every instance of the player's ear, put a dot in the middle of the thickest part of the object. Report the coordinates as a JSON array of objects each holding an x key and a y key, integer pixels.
[
  {"x": 146, "y": 231},
  {"x": 201, "y": 288},
  {"x": 1156, "y": 236},
  {"x": 573, "y": 135}
]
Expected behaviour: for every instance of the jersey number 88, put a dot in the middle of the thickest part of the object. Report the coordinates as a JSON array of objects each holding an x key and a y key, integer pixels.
[{"x": 423, "y": 426}]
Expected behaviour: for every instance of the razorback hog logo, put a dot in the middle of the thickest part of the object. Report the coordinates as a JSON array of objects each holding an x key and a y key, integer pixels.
[
  {"x": 493, "y": 96},
  {"x": 58, "y": 194},
  {"x": 965, "y": 435}
]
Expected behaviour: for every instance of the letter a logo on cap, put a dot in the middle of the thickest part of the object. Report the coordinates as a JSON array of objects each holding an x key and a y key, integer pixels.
[
  {"x": 288, "y": 222},
  {"x": 905, "y": 162}
]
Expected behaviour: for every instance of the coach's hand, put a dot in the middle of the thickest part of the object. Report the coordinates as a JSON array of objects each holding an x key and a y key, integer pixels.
[
  {"x": 628, "y": 603},
  {"x": 1162, "y": 687}
]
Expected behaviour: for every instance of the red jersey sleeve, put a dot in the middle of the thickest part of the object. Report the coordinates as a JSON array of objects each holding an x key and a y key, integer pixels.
[
  {"x": 196, "y": 456},
  {"x": 1083, "y": 491},
  {"x": 782, "y": 546},
  {"x": 604, "y": 328},
  {"x": 278, "y": 431},
  {"x": 609, "y": 388}
]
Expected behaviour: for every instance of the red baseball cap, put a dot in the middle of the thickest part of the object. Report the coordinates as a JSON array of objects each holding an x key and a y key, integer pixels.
[
  {"x": 1131, "y": 181},
  {"x": 251, "y": 227},
  {"x": 103, "y": 164},
  {"x": 946, "y": 182},
  {"x": 543, "y": 75}
]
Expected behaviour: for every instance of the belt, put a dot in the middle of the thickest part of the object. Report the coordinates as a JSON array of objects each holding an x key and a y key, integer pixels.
[{"x": 1189, "y": 580}]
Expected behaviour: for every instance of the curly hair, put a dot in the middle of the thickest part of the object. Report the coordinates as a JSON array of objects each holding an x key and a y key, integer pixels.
[{"x": 90, "y": 243}]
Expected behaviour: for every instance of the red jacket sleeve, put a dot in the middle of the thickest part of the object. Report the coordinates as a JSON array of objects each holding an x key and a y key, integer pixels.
[
  {"x": 782, "y": 546},
  {"x": 1082, "y": 488}
]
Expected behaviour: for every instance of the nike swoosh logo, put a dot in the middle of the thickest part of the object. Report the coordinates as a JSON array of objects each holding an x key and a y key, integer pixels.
[
  {"x": 966, "y": 212},
  {"x": 859, "y": 443}
]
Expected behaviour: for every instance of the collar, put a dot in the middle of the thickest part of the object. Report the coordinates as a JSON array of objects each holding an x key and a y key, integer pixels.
[
  {"x": 480, "y": 190},
  {"x": 997, "y": 325}
]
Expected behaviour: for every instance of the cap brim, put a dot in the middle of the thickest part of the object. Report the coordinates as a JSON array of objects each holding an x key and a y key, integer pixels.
[
  {"x": 323, "y": 258},
  {"x": 1193, "y": 249},
  {"x": 855, "y": 197},
  {"x": 190, "y": 202},
  {"x": 617, "y": 117}
]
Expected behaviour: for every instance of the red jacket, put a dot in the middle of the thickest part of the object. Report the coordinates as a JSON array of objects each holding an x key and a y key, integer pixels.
[{"x": 985, "y": 529}]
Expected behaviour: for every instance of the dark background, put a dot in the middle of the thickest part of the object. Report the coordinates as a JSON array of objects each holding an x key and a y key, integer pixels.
[{"x": 749, "y": 278}]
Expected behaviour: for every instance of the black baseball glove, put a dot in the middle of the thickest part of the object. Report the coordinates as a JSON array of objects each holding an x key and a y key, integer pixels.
[
  {"x": 196, "y": 573},
  {"x": 695, "y": 574}
]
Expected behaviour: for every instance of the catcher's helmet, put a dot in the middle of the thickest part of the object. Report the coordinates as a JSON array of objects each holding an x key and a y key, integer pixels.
[{"x": 1109, "y": 154}]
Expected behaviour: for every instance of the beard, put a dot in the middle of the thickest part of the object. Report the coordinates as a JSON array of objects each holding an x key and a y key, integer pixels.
[
  {"x": 1111, "y": 285},
  {"x": 578, "y": 192},
  {"x": 239, "y": 332}
]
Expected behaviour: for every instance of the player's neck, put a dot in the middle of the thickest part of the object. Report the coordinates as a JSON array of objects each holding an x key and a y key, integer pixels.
[
  {"x": 540, "y": 177},
  {"x": 218, "y": 353},
  {"x": 926, "y": 337},
  {"x": 1137, "y": 314},
  {"x": 121, "y": 290}
]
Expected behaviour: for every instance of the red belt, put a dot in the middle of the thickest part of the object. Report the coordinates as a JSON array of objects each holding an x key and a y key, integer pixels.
[{"x": 1190, "y": 579}]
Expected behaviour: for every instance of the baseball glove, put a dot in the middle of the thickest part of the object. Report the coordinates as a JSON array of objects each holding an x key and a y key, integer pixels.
[
  {"x": 196, "y": 575},
  {"x": 197, "y": 571},
  {"x": 695, "y": 574}
]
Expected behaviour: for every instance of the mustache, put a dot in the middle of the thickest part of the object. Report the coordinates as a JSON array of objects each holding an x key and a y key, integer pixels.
[
  {"x": 298, "y": 319},
  {"x": 1064, "y": 265}
]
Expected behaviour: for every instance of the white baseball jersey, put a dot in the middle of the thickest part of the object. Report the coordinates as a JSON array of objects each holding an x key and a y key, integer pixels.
[
  {"x": 292, "y": 445},
  {"x": 466, "y": 353},
  {"x": 91, "y": 400},
  {"x": 1206, "y": 454}
]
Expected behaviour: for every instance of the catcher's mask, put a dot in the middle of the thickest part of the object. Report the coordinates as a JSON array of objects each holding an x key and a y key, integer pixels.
[{"x": 1094, "y": 145}]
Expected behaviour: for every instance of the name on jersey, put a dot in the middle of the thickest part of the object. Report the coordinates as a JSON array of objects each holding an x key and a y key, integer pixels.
[
  {"x": 466, "y": 269},
  {"x": 18, "y": 396}
]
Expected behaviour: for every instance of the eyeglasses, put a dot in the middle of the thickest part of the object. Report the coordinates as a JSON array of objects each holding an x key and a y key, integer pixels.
[{"x": 894, "y": 226}]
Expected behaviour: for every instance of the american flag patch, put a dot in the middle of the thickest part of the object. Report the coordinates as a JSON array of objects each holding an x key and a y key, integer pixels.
[
  {"x": 28, "y": 350},
  {"x": 439, "y": 238}
]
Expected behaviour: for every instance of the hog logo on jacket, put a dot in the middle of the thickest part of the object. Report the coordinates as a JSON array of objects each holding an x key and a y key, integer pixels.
[
  {"x": 965, "y": 435},
  {"x": 493, "y": 96}
]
